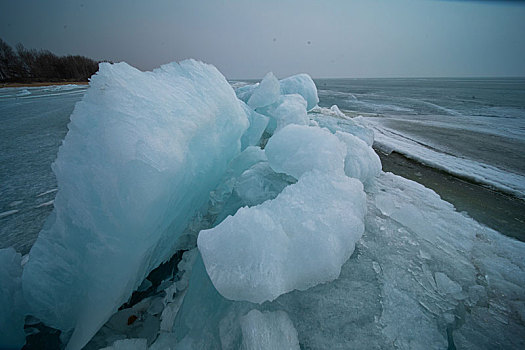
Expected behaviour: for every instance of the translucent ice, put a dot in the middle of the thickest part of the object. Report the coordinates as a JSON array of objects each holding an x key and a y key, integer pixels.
[
  {"x": 143, "y": 151},
  {"x": 12, "y": 306},
  {"x": 298, "y": 240},
  {"x": 291, "y": 109},
  {"x": 325, "y": 118},
  {"x": 303, "y": 85},
  {"x": 361, "y": 160},
  {"x": 297, "y": 149},
  {"x": 266, "y": 93},
  {"x": 258, "y": 123},
  {"x": 268, "y": 330}
]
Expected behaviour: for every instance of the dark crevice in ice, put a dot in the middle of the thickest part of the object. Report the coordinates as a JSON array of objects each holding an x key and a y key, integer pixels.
[{"x": 161, "y": 273}]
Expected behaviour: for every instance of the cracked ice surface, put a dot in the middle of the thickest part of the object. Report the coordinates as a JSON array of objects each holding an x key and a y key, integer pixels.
[{"x": 422, "y": 277}]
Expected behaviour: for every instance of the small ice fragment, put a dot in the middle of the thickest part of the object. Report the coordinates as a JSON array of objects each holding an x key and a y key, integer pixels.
[{"x": 15, "y": 203}]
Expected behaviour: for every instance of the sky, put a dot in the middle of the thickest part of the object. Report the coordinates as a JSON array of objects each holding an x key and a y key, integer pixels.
[{"x": 248, "y": 38}]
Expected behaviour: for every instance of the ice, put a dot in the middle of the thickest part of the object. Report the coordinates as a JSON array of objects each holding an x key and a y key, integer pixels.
[
  {"x": 303, "y": 85},
  {"x": 143, "y": 151},
  {"x": 258, "y": 123},
  {"x": 324, "y": 117},
  {"x": 361, "y": 161},
  {"x": 298, "y": 240},
  {"x": 245, "y": 92},
  {"x": 128, "y": 344},
  {"x": 12, "y": 306},
  {"x": 268, "y": 330},
  {"x": 297, "y": 149},
  {"x": 422, "y": 276},
  {"x": 266, "y": 93},
  {"x": 291, "y": 109}
]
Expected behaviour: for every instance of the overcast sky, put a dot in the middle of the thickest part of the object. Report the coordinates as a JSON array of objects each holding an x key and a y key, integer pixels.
[{"x": 246, "y": 39}]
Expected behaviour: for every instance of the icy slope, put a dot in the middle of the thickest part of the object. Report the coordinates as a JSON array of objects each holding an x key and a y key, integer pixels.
[{"x": 143, "y": 151}]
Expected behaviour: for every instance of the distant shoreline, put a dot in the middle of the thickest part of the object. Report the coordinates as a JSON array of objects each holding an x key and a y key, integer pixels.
[{"x": 45, "y": 83}]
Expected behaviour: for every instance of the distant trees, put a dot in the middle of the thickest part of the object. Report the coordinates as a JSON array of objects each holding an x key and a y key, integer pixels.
[{"x": 26, "y": 66}]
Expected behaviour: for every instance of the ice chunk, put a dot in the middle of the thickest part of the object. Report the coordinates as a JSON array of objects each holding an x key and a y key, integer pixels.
[
  {"x": 260, "y": 183},
  {"x": 303, "y": 85},
  {"x": 298, "y": 240},
  {"x": 245, "y": 92},
  {"x": 361, "y": 161},
  {"x": 268, "y": 330},
  {"x": 291, "y": 109},
  {"x": 12, "y": 306},
  {"x": 143, "y": 151},
  {"x": 324, "y": 117},
  {"x": 266, "y": 93},
  {"x": 258, "y": 123},
  {"x": 297, "y": 149}
]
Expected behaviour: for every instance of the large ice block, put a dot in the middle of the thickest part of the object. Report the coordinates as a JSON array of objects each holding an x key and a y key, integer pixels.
[
  {"x": 295, "y": 241},
  {"x": 303, "y": 85},
  {"x": 361, "y": 160},
  {"x": 266, "y": 93},
  {"x": 143, "y": 151},
  {"x": 297, "y": 149}
]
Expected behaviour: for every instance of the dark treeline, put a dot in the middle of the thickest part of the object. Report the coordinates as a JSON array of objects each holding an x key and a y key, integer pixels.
[{"x": 27, "y": 66}]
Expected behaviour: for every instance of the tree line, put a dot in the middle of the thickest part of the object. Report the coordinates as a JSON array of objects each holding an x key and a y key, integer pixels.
[{"x": 25, "y": 66}]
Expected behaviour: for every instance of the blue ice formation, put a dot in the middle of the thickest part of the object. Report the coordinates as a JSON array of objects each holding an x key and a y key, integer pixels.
[
  {"x": 12, "y": 305},
  {"x": 143, "y": 151},
  {"x": 295, "y": 241}
]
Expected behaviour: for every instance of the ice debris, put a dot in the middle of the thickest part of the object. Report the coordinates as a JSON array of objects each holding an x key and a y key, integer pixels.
[{"x": 266, "y": 93}]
